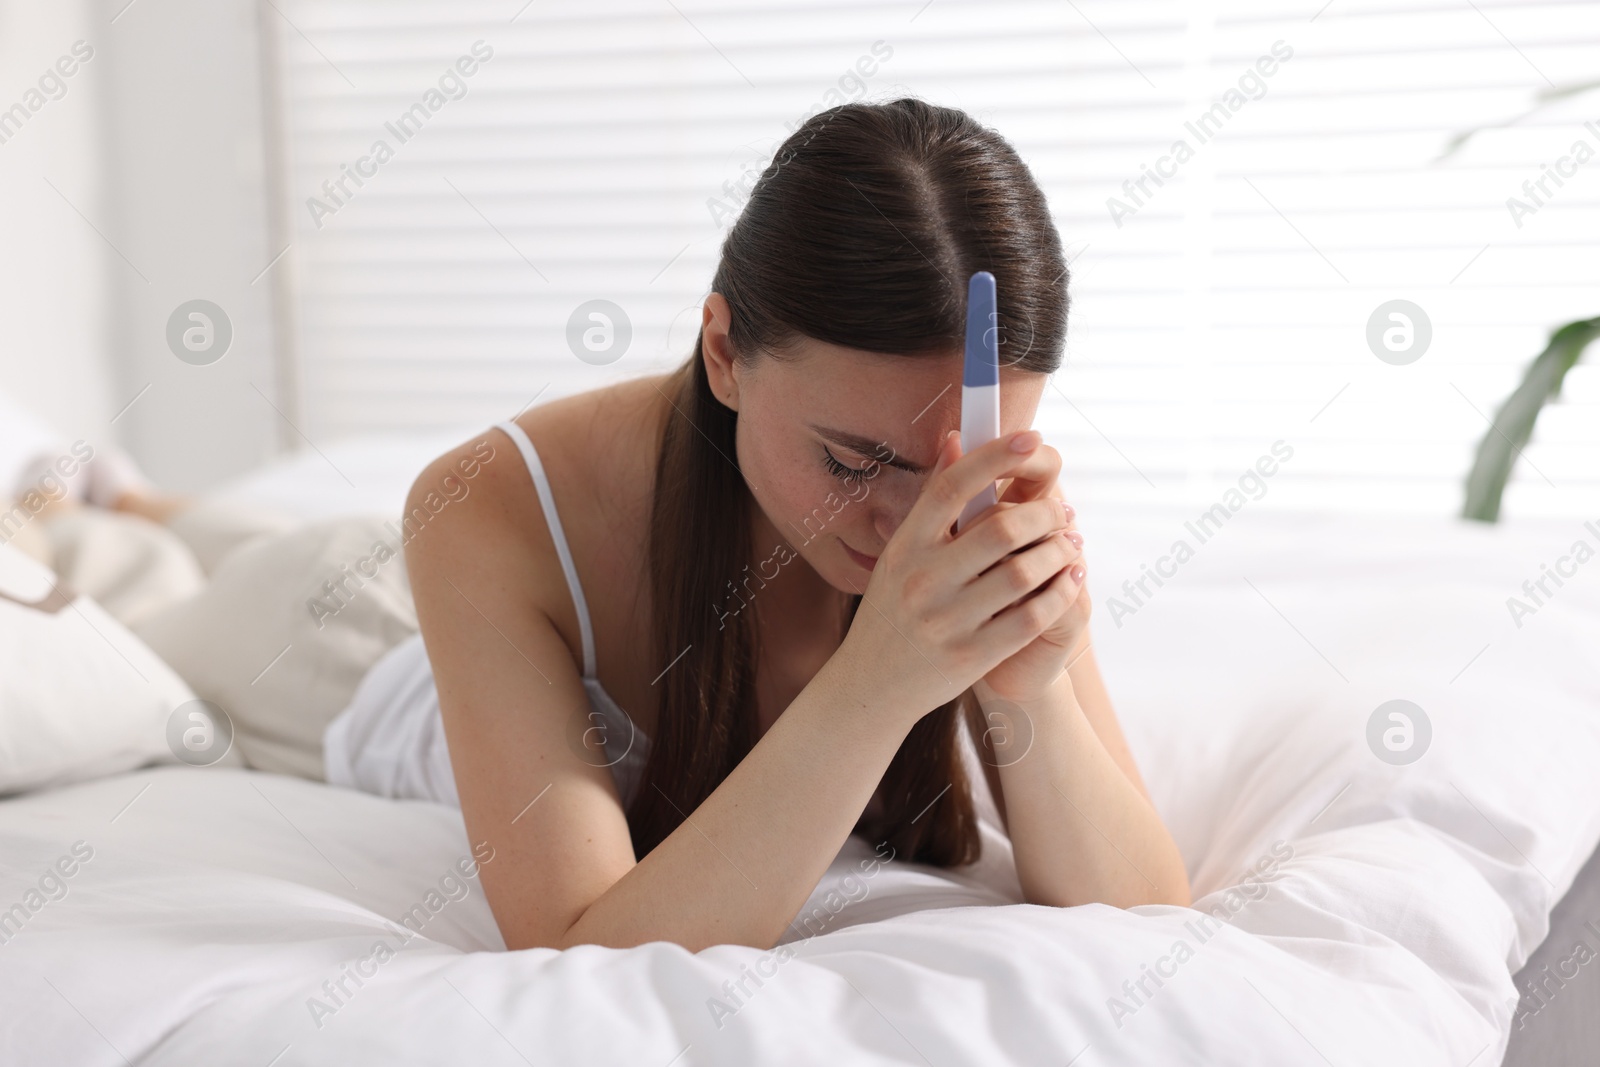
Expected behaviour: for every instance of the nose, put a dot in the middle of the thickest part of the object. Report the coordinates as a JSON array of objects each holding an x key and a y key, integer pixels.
[
  {"x": 891, "y": 501},
  {"x": 886, "y": 522}
]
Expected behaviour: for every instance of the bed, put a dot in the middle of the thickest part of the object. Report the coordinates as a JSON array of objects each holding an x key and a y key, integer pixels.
[{"x": 1357, "y": 900}]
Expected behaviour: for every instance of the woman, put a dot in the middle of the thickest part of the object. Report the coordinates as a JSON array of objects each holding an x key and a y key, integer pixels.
[{"x": 754, "y": 556}]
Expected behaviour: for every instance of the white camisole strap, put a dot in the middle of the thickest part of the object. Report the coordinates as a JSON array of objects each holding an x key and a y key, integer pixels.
[{"x": 542, "y": 483}]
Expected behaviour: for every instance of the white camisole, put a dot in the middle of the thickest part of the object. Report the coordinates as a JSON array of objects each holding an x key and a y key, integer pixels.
[{"x": 390, "y": 740}]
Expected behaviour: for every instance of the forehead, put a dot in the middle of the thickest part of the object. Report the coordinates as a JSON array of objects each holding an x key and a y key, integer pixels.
[
  {"x": 854, "y": 379},
  {"x": 908, "y": 402}
]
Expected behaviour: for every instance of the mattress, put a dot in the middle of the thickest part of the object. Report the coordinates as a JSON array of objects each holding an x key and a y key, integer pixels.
[{"x": 1354, "y": 902}]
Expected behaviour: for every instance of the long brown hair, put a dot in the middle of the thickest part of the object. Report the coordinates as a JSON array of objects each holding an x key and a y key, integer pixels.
[{"x": 861, "y": 232}]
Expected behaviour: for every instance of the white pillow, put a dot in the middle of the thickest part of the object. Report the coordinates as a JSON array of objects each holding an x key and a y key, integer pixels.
[
  {"x": 286, "y": 629},
  {"x": 80, "y": 696}
]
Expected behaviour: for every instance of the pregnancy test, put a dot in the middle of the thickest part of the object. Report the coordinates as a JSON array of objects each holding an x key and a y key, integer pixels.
[{"x": 980, "y": 383}]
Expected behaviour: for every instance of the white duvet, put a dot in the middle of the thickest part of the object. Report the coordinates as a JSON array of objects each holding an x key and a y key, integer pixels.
[{"x": 1348, "y": 911}]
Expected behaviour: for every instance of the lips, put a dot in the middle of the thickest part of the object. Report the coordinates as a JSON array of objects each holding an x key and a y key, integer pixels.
[{"x": 863, "y": 561}]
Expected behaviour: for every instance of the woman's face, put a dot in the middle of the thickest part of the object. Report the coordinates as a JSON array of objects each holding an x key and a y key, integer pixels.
[{"x": 836, "y": 443}]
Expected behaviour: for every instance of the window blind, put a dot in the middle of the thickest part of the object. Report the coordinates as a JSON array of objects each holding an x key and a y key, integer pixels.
[{"x": 1228, "y": 294}]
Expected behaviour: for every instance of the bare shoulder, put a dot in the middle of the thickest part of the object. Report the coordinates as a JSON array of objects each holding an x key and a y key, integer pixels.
[
  {"x": 599, "y": 449},
  {"x": 474, "y": 516}
]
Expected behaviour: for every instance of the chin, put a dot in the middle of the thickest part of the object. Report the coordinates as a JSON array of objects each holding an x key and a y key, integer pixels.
[
  {"x": 846, "y": 583},
  {"x": 837, "y": 574},
  {"x": 845, "y": 575}
]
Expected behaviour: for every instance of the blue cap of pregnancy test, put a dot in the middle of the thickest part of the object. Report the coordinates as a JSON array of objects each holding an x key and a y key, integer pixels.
[{"x": 982, "y": 365}]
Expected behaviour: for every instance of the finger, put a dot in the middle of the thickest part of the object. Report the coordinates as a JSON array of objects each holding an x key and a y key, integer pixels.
[
  {"x": 1034, "y": 478},
  {"x": 1072, "y": 512},
  {"x": 949, "y": 451},
  {"x": 1003, "y": 530},
  {"x": 1016, "y": 626},
  {"x": 953, "y": 483},
  {"x": 1012, "y": 579}
]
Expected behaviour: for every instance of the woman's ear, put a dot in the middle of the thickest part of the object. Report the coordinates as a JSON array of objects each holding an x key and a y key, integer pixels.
[{"x": 721, "y": 368}]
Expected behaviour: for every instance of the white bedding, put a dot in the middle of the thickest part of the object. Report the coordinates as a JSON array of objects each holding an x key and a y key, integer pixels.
[{"x": 1393, "y": 905}]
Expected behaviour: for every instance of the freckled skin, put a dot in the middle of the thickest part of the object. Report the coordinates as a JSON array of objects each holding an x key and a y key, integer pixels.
[
  {"x": 909, "y": 403},
  {"x": 834, "y": 707}
]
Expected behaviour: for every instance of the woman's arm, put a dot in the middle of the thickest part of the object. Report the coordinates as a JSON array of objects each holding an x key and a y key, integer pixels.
[
  {"x": 740, "y": 866},
  {"x": 1080, "y": 820},
  {"x": 743, "y": 862},
  {"x": 1096, "y": 704},
  {"x": 1081, "y": 824}
]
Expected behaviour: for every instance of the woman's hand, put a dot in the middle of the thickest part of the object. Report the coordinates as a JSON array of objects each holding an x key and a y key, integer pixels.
[
  {"x": 942, "y": 611},
  {"x": 1025, "y": 676}
]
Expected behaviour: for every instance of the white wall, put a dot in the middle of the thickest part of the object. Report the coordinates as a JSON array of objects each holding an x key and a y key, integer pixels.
[
  {"x": 54, "y": 279},
  {"x": 187, "y": 200},
  {"x": 157, "y": 143},
  {"x": 605, "y": 148}
]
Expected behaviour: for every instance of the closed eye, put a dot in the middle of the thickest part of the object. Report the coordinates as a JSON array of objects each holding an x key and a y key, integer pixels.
[{"x": 841, "y": 471}]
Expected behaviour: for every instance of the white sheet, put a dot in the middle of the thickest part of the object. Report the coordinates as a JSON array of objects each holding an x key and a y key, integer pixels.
[{"x": 1403, "y": 898}]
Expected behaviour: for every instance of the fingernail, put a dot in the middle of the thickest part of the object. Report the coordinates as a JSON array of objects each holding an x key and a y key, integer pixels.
[
  {"x": 1066, "y": 510},
  {"x": 1076, "y": 538},
  {"x": 1077, "y": 574},
  {"x": 1026, "y": 441}
]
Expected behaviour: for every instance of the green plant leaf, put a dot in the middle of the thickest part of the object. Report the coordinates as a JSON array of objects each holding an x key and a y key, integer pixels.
[{"x": 1513, "y": 423}]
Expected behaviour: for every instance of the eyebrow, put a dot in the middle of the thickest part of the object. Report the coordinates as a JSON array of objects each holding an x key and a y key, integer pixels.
[{"x": 866, "y": 446}]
